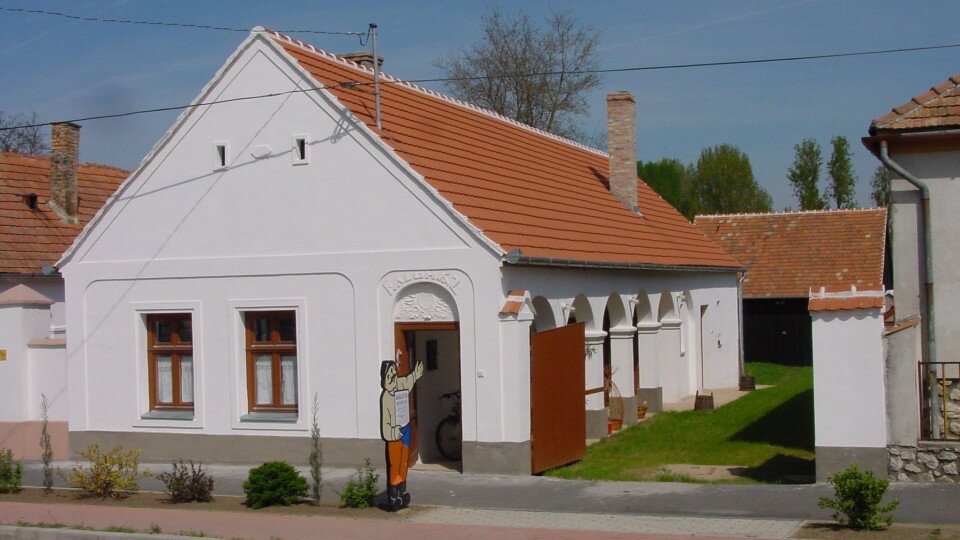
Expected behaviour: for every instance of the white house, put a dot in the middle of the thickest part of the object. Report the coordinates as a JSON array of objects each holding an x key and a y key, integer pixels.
[
  {"x": 919, "y": 142},
  {"x": 274, "y": 250},
  {"x": 44, "y": 201}
]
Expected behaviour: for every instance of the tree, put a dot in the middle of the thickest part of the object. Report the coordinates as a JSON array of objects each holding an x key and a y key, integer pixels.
[
  {"x": 668, "y": 177},
  {"x": 28, "y": 140},
  {"x": 534, "y": 75},
  {"x": 722, "y": 182},
  {"x": 843, "y": 181},
  {"x": 881, "y": 186},
  {"x": 804, "y": 175}
]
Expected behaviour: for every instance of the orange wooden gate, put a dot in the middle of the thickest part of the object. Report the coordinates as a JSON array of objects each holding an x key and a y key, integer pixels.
[{"x": 557, "y": 414}]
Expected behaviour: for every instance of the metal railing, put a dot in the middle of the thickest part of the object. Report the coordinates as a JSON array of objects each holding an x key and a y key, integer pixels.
[{"x": 939, "y": 400}]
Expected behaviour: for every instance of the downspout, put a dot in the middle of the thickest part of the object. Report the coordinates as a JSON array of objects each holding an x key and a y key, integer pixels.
[
  {"x": 743, "y": 276},
  {"x": 927, "y": 245}
]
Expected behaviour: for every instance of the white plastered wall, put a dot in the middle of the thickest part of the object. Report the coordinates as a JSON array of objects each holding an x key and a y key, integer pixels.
[
  {"x": 848, "y": 379},
  {"x": 329, "y": 238}
]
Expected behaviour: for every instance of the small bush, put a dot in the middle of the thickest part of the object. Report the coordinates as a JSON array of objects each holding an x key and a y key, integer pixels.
[
  {"x": 274, "y": 483},
  {"x": 857, "y": 502},
  {"x": 111, "y": 474},
  {"x": 11, "y": 472},
  {"x": 360, "y": 490},
  {"x": 46, "y": 447},
  {"x": 187, "y": 484}
]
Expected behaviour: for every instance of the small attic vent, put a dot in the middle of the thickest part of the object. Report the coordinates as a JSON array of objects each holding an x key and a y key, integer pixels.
[
  {"x": 300, "y": 149},
  {"x": 220, "y": 155},
  {"x": 30, "y": 199}
]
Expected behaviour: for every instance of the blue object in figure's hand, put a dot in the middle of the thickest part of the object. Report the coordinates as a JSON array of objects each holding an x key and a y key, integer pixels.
[{"x": 405, "y": 435}]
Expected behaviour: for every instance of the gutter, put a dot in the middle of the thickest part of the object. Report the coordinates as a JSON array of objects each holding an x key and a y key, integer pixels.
[
  {"x": 928, "y": 319},
  {"x": 514, "y": 257}
]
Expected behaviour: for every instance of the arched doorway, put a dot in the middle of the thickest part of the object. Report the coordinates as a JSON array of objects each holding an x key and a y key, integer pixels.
[{"x": 426, "y": 330}]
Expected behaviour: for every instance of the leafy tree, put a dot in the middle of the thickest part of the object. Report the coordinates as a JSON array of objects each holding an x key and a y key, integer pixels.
[
  {"x": 531, "y": 74},
  {"x": 804, "y": 175},
  {"x": 881, "y": 186},
  {"x": 843, "y": 181},
  {"x": 722, "y": 182},
  {"x": 668, "y": 177},
  {"x": 24, "y": 140}
]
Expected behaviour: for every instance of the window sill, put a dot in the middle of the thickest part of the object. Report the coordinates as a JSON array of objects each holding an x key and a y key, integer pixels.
[
  {"x": 288, "y": 418},
  {"x": 168, "y": 415}
]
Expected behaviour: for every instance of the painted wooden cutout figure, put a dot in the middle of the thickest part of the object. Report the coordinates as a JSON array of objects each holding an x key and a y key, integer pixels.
[{"x": 395, "y": 428}]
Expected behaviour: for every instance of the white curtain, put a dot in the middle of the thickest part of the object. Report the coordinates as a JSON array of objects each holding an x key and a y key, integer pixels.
[
  {"x": 164, "y": 379},
  {"x": 186, "y": 379},
  {"x": 264, "y": 375},
  {"x": 288, "y": 379}
]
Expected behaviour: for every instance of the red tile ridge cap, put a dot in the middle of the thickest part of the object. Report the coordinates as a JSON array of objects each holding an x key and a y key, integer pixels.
[
  {"x": 846, "y": 298},
  {"x": 394, "y": 80},
  {"x": 789, "y": 213},
  {"x": 514, "y": 302},
  {"x": 935, "y": 92},
  {"x": 46, "y": 158}
]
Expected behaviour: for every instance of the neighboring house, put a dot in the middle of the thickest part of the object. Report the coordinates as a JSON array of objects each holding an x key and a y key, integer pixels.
[
  {"x": 919, "y": 142},
  {"x": 787, "y": 254},
  {"x": 274, "y": 251},
  {"x": 44, "y": 203}
]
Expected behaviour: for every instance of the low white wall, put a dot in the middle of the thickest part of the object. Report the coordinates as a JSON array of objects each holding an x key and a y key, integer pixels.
[{"x": 848, "y": 379}]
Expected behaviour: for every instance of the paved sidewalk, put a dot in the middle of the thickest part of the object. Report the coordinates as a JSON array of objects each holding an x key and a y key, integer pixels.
[{"x": 424, "y": 525}]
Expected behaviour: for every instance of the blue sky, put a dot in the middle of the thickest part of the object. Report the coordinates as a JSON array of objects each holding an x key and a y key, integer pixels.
[{"x": 65, "y": 69}]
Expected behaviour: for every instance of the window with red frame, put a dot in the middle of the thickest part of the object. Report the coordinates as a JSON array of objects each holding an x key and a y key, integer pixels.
[
  {"x": 170, "y": 361},
  {"x": 271, "y": 340}
]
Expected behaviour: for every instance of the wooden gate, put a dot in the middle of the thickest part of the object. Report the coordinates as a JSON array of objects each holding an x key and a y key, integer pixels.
[{"x": 558, "y": 429}]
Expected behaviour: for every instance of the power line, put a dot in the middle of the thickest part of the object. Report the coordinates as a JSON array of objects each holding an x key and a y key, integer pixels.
[
  {"x": 353, "y": 84},
  {"x": 173, "y": 24}
]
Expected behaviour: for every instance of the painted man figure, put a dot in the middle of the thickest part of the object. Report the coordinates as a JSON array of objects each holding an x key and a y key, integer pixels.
[{"x": 395, "y": 429}]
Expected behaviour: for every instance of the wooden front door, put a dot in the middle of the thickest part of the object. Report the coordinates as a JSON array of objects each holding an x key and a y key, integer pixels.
[{"x": 558, "y": 429}]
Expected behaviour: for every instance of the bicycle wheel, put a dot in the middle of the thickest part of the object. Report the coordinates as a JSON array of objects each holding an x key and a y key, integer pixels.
[{"x": 448, "y": 439}]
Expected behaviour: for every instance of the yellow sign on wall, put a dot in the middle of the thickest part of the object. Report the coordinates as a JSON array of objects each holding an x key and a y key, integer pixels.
[{"x": 3, "y": 355}]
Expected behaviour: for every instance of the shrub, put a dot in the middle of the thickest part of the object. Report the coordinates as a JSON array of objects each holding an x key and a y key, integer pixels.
[
  {"x": 857, "y": 503},
  {"x": 46, "y": 448},
  {"x": 316, "y": 452},
  {"x": 187, "y": 484},
  {"x": 10, "y": 472},
  {"x": 111, "y": 474},
  {"x": 274, "y": 483},
  {"x": 360, "y": 490}
]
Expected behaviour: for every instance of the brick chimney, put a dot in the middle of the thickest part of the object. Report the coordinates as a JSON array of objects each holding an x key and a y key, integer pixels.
[
  {"x": 363, "y": 58},
  {"x": 64, "y": 162},
  {"x": 622, "y": 147}
]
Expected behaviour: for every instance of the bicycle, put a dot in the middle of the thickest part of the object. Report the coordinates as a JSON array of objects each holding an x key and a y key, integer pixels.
[{"x": 449, "y": 435}]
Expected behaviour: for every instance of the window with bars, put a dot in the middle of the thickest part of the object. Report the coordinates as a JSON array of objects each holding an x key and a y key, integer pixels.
[
  {"x": 271, "y": 341},
  {"x": 170, "y": 359}
]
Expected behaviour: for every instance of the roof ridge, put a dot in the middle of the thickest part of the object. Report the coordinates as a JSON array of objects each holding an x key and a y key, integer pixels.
[
  {"x": 46, "y": 158},
  {"x": 790, "y": 213},
  {"x": 918, "y": 101},
  {"x": 427, "y": 91}
]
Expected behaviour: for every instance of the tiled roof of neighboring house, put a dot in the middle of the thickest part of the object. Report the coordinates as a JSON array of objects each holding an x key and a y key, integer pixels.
[
  {"x": 521, "y": 187},
  {"x": 938, "y": 108},
  {"x": 845, "y": 298},
  {"x": 30, "y": 238},
  {"x": 788, "y": 253}
]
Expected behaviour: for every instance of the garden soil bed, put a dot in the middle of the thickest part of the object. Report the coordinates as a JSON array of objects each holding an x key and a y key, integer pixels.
[
  {"x": 221, "y": 503},
  {"x": 830, "y": 531}
]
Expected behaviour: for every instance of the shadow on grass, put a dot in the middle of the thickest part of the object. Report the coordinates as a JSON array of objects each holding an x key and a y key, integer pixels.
[
  {"x": 789, "y": 425},
  {"x": 782, "y": 469}
]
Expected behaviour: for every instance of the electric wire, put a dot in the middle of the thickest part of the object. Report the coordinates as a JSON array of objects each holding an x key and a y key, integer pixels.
[
  {"x": 354, "y": 84},
  {"x": 171, "y": 24}
]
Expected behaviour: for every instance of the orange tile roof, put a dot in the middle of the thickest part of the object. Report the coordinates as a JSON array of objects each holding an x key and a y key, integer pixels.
[
  {"x": 788, "y": 253},
  {"x": 31, "y": 238},
  {"x": 845, "y": 298},
  {"x": 521, "y": 187},
  {"x": 938, "y": 108}
]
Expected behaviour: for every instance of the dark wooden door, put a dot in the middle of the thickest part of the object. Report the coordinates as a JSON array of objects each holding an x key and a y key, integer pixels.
[{"x": 558, "y": 430}]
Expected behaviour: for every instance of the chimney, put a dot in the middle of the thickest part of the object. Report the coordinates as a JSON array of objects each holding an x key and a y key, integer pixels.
[
  {"x": 64, "y": 162},
  {"x": 364, "y": 58},
  {"x": 622, "y": 145}
]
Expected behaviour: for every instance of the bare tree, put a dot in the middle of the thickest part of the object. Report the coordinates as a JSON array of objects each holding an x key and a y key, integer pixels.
[
  {"x": 534, "y": 75},
  {"x": 27, "y": 140}
]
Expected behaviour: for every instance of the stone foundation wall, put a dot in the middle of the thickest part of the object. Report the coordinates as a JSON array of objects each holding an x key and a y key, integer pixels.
[{"x": 928, "y": 462}]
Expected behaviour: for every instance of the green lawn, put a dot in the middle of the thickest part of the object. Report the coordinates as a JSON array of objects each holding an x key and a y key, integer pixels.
[{"x": 770, "y": 431}]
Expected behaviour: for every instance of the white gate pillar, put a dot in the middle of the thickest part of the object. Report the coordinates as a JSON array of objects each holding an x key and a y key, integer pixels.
[{"x": 621, "y": 366}]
